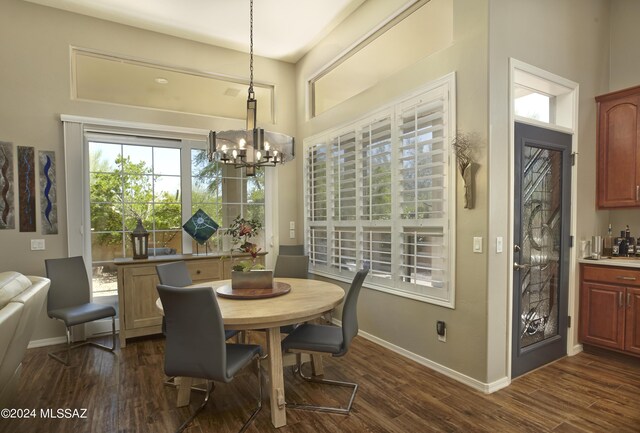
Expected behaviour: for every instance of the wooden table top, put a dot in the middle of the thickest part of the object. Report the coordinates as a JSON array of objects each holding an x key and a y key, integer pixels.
[{"x": 307, "y": 300}]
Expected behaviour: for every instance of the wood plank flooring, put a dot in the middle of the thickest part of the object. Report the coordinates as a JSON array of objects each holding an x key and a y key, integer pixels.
[{"x": 590, "y": 392}]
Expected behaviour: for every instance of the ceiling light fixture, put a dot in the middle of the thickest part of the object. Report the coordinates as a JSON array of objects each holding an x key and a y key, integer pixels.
[{"x": 252, "y": 147}]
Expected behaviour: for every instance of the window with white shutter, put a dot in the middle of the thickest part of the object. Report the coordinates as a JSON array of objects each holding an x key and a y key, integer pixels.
[{"x": 379, "y": 193}]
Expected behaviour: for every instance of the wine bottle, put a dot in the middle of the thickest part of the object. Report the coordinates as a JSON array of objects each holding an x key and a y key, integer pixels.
[{"x": 607, "y": 250}]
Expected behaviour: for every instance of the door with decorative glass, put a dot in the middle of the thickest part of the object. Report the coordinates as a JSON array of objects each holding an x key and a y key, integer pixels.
[{"x": 541, "y": 246}]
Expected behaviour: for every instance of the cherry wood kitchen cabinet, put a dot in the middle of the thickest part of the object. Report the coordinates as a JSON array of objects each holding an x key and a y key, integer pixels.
[
  {"x": 137, "y": 293},
  {"x": 610, "y": 307},
  {"x": 618, "y": 151}
]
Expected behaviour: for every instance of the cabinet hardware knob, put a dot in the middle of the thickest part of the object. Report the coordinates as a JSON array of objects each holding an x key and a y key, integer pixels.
[
  {"x": 198, "y": 272},
  {"x": 621, "y": 277}
]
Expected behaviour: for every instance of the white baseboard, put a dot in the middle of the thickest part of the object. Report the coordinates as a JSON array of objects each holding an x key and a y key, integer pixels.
[
  {"x": 486, "y": 388},
  {"x": 47, "y": 342},
  {"x": 575, "y": 350}
]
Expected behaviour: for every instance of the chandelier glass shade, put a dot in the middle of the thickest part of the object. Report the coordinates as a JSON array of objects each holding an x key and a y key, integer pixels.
[{"x": 251, "y": 147}]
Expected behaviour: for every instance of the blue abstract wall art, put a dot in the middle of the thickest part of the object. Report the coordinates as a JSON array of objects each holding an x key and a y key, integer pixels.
[
  {"x": 48, "y": 193},
  {"x": 7, "y": 207}
]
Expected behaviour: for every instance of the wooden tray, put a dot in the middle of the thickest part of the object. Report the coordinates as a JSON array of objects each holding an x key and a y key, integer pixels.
[{"x": 278, "y": 289}]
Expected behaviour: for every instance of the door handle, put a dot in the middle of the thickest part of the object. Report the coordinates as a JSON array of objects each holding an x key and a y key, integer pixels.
[
  {"x": 620, "y": 300},
  {"x": 518, "y": 267},
  {"x": 628, "y": 300},
  {"x": 637, "y": 192}
]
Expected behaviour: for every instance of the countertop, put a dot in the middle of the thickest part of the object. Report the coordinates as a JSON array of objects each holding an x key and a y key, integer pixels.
[{"x": 626, "y": 262}]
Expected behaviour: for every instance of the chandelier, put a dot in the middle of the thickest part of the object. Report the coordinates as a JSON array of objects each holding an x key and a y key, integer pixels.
[{"x": 252, "y": 147}]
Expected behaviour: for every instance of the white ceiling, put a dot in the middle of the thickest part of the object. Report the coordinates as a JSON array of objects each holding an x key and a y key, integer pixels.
[{"x": 283, "y": 29}]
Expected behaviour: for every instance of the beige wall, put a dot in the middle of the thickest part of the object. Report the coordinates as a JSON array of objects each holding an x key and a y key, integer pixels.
[
  {"x": 569, "y": 38},
  {"x": 625, "y": 72},
  {"x": 403, "y": 322},
  {"x": 35, "y": 90}
]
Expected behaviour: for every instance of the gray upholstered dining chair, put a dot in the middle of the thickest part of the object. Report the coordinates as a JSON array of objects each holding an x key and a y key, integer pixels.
[
  {"x": 196, "y": 347},
  {"x": 291, "y": 250},
  {"x": 177, "y": 274},
  {"x": 291, "y": 266},
  {"x": 174, "y": 274},
  {"x": 333, "y": 340},
  {"x": 69, "y": 300}
]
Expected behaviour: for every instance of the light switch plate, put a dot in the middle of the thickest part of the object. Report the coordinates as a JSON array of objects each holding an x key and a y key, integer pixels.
[
  {"x": 477, "y": 244},
  {"x": 292, "y": 234},
  {"x": 292, "y": 225},
  {"x": 499, "y": 244},
  {"x": 37, "y": 244}
]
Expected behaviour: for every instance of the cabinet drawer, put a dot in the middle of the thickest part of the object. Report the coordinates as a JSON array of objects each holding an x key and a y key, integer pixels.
[
  {"x": 205, "y": 270},
  {"x": 624, "y": 276}
]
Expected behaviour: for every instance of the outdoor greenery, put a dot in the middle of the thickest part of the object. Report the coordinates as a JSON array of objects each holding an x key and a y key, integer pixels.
[{"x": 128, "y": 193}]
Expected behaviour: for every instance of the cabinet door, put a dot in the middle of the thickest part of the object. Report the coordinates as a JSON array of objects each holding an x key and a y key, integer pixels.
[
  {"x": 632, "y": 329},
  {"x": 141, "y": 294},
  {"x": 602, "y": 315},
  {"x": 618, "y": 156}
]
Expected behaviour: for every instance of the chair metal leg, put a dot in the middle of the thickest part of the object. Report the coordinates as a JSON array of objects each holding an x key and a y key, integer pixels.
[
  {"x": 339, "y": 410},
  {"x": 198, "y": 410},
  {"x": 55, "y": 355},
  {"x": 259, "y": 406},
  {"x": 248, "y": 422}
]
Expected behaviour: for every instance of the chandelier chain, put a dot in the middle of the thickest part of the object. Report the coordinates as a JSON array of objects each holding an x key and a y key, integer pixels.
[{"x": 251, "y": 93}]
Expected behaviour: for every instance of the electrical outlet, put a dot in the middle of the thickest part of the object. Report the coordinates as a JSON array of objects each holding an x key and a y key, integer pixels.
[{"x": 441, "y": 330}]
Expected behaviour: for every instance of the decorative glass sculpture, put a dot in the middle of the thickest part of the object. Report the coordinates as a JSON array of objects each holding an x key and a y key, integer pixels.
[{"x": 200, "y": 227}]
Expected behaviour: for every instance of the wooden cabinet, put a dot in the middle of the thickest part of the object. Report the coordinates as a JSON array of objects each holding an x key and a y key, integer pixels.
[
  {"x": 618, "y": 143},
  {"x": 610, "y": 307},
  {"x": 137, "y": 293}
]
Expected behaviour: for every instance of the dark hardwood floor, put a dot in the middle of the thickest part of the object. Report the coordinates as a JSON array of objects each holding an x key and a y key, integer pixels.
[{"x": 590, "y": 392}]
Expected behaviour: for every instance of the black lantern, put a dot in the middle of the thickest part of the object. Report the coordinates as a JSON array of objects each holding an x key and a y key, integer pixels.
[{"x": 140, "y": 241}]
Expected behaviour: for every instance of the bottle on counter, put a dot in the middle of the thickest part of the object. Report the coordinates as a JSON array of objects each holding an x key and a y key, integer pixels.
[
  {"x": 621, "y": 245},
  {"x": 638, "y": 247},
  {"x": 631, "y": 242},
  {"x": 607, "y": 250}
]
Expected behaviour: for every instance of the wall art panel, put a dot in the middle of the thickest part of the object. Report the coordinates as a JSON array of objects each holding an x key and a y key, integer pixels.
[
  {"x": 26, "y": 189},
  {"x": 48, "y": 193},
  {"x": 7, "y": 206}
]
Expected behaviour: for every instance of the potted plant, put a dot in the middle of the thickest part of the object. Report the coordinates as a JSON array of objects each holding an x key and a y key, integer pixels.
[{"x": 247, "y": 274}]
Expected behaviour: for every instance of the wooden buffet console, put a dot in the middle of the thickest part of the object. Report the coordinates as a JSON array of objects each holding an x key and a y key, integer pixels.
[{"x": 137, "y": 293}]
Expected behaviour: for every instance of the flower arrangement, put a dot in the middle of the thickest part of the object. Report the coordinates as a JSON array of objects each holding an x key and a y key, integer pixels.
[{"x": 241, "y": 231}]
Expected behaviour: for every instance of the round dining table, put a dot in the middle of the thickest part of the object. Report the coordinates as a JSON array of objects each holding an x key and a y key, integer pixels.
[{"x": 307, "y": 300}]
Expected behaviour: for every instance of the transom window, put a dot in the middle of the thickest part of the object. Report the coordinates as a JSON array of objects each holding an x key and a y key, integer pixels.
[{"x": 378, "y": 194}]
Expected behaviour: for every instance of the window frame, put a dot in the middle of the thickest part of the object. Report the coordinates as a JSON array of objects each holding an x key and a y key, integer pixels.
[
  {"x": 76, "y": 160},
  {"x": 444, "y": 87}
]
